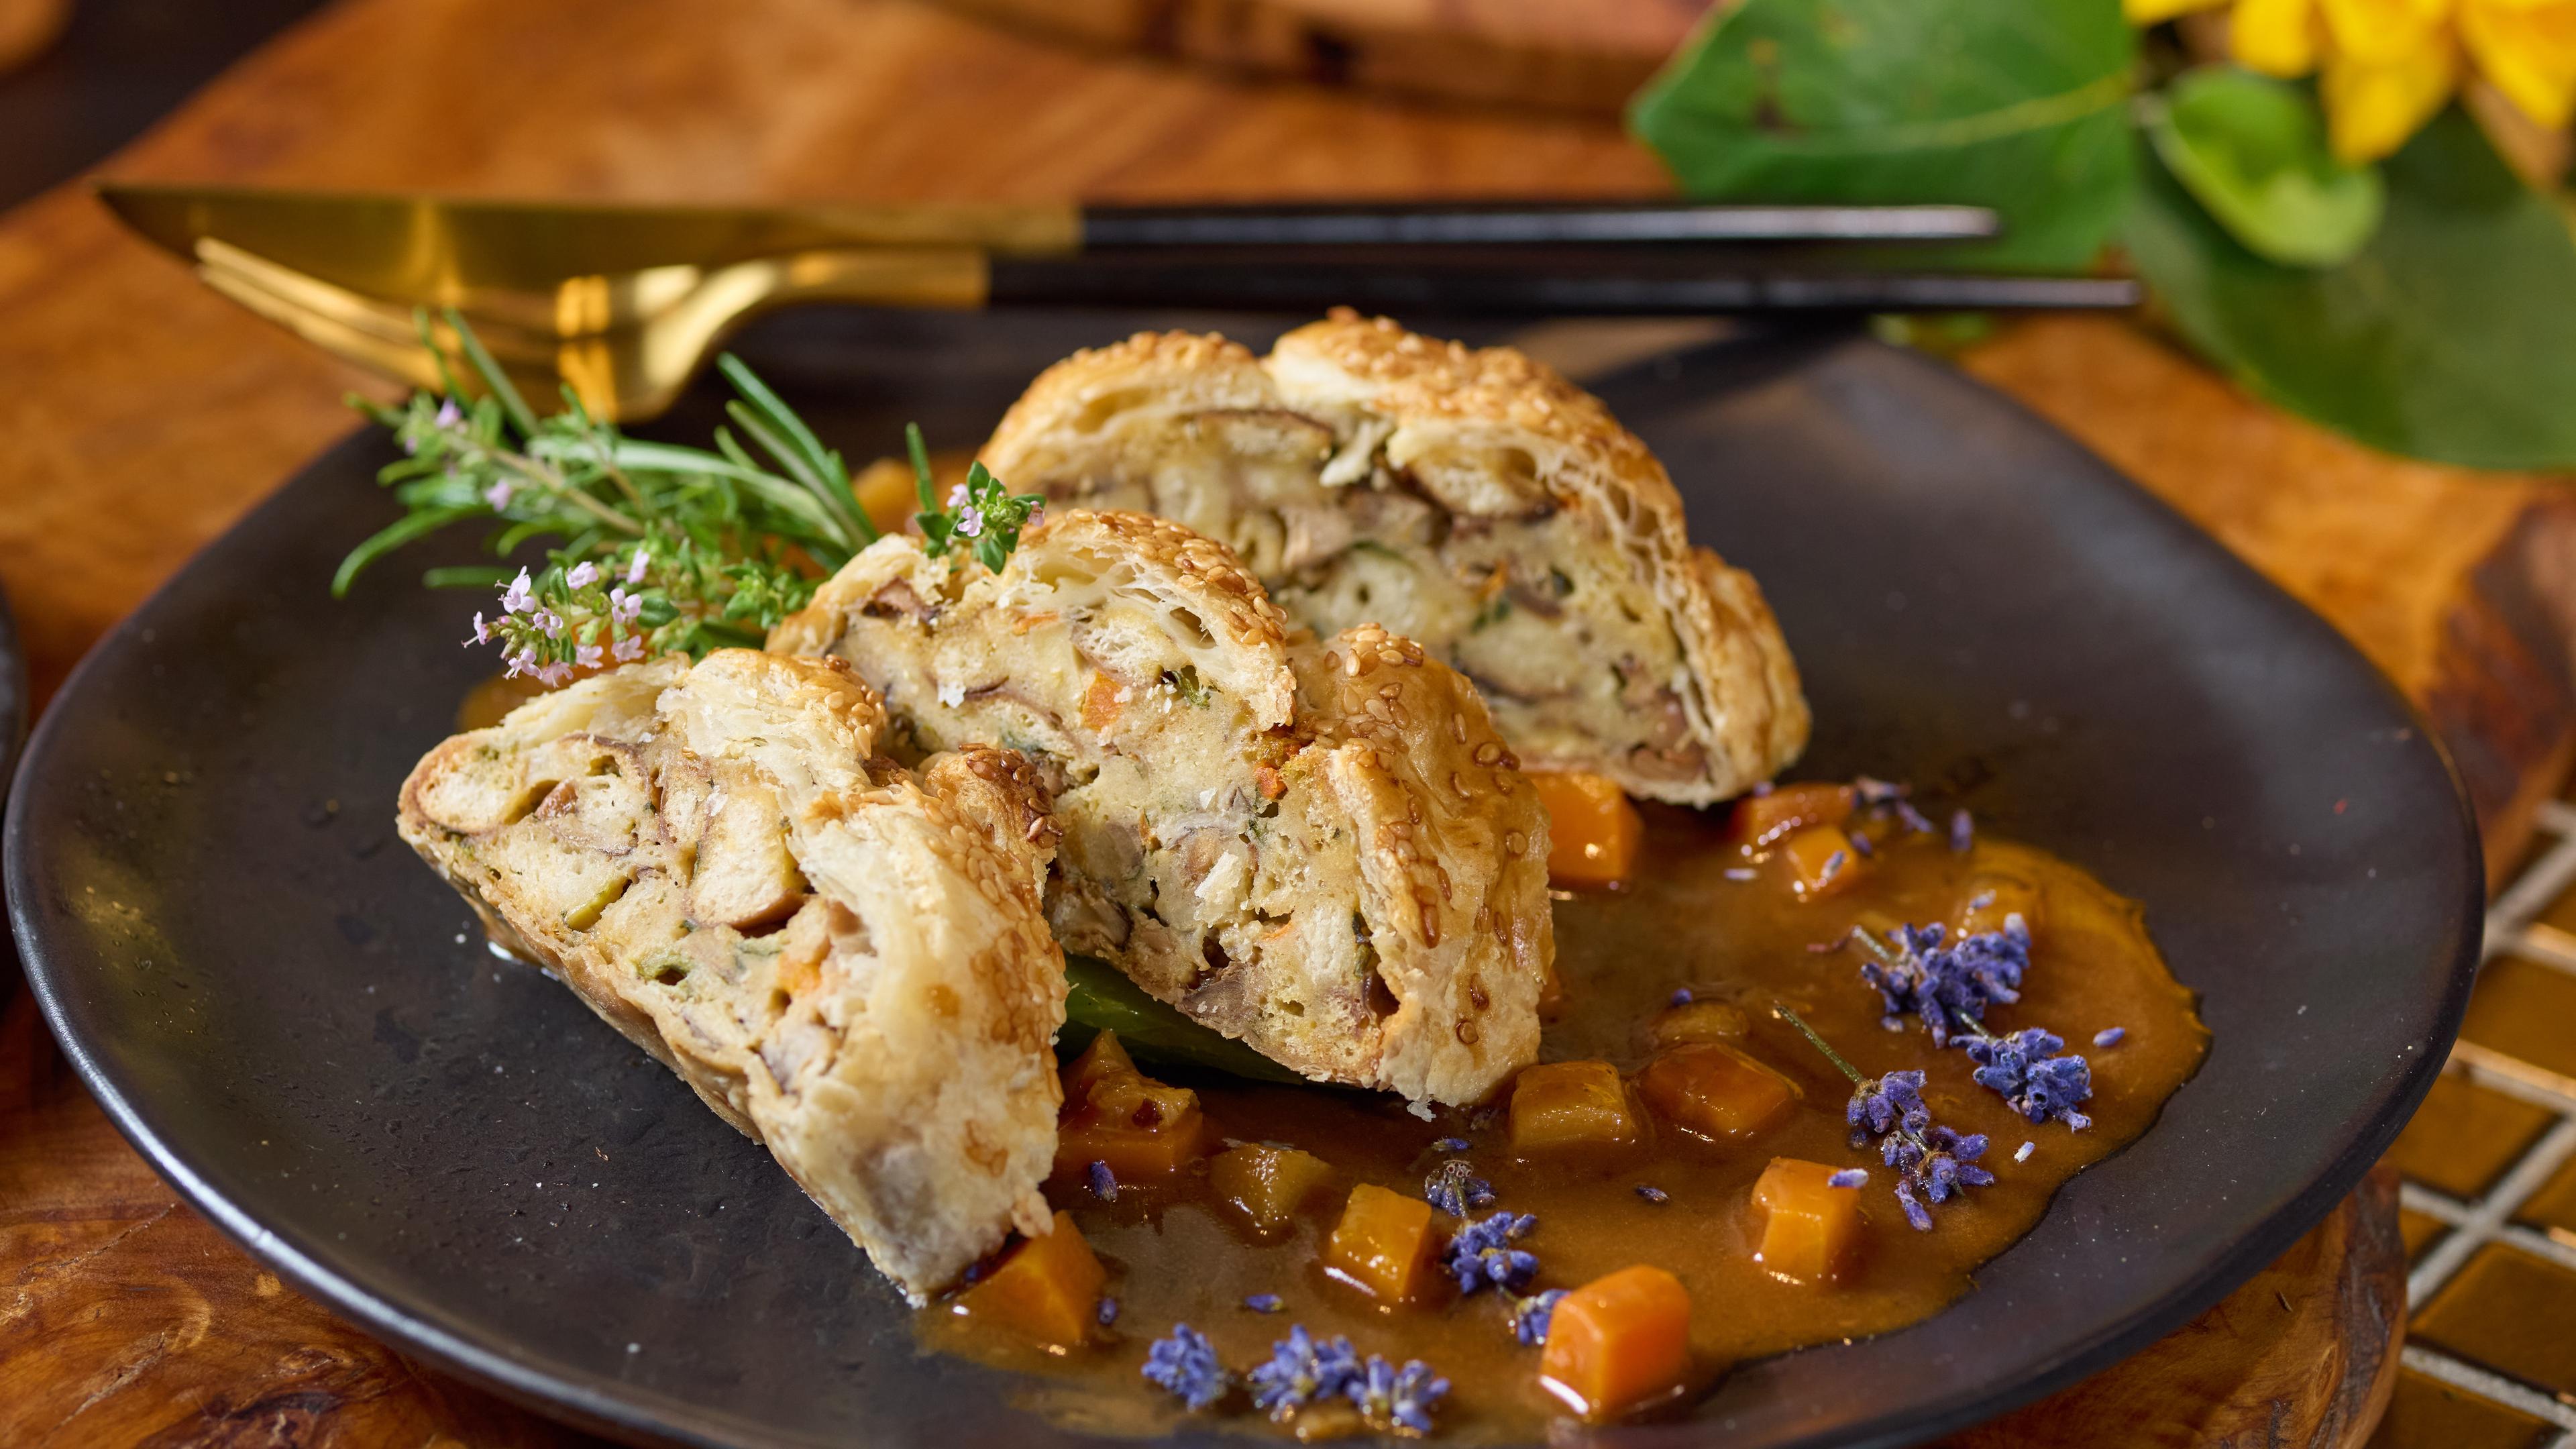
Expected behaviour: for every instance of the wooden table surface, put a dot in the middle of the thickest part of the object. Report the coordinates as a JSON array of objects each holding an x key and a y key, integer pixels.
[{"x": 142, "y": 414}]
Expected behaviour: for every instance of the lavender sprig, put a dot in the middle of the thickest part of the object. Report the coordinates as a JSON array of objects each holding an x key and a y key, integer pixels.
[
  {"x": 1482, "y": 1253},
  {"x": 2033, "y": 1079},
  {"x": 1932, "y": 1162},
  {"x": 1950, "y": 988},
  {"x": 1302, "y": 1370},
  {"x": 1399, "y": 1399},
  {"x": 1454, "y": 1188},
  {"x": 1532, "y": 1315},
  {"x": 1185, "y": 1363}
]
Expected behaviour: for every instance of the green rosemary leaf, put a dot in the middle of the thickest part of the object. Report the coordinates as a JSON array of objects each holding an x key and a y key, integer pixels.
[
  {"x": 494, "y": 379},
  {"x": 392, "y": 536}
]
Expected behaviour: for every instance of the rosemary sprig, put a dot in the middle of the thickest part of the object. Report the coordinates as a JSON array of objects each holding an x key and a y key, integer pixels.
[{"x": 660, "y": 547}]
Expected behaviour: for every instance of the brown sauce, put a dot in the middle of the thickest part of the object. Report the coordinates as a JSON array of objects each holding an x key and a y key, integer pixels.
[{"x": 1177, "y": 1255}]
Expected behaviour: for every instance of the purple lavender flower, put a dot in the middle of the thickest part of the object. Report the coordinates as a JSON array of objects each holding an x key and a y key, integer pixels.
[
  {"x": 1482, "y": 1253},
  {"x": 1931, "y": 1161},
  {"x": 1301, "y": 1371},
  {"x": 1861, "y": 845},
  {"x": 1104, "y": 1183},
  {"x": 1911, "y": 818},
  {"x": 1265, "y": 1302},
  {"x": 2032, "y": 1078},
  {"x": 1849, "y": 1177},
  {"x": 1108, "y": 1312},
  {"x": 1403, "y": 1398},
  {"x": 1951, "y": 988},
  {"x": 1681, "y": 996},
  {"x": 1741, "y": 872},
  {"x": 1451, "y": 1144},
  {"x": 1963, "y": 830},
  {"x": 2107, "y": 1037},
  {"x": 1872, "y": 791},
  {"x": 1185, "y": 1363},
  {"x": 1454, "y": 1188},
  {"x": 1652, "y": 1193},
  {"x": 2027, "y": 1149},
  {"x": 1531, "y": 1316}
]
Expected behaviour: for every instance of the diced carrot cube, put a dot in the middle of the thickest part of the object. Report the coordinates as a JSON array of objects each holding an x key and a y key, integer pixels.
[
  {"x": 1047, "y": 1290},
  {"x": 1267, "y": 1184},
  {"x": 1592, "y": 830},
  {"x": 1812, "y": 1233},
  {"x": 1116, "y": 1114},
  {"x": 1762, "y": 820},
  {"x": 1821, "y": 860},
  {"x": 1992, "y": 899},
  {"x": 1572, "y": 1105},
  {"x": 1699, "y": 1021},
  {"x": 1382, "y": 1244},
  {"x": 1618, "y": 1342},
  {"x": 1100, "y": 703},
  {"x": 1716, "y": 1090}
]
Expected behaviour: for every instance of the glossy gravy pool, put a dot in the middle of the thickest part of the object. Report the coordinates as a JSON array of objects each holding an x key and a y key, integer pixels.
[{"x": 1175, "y": 1254}]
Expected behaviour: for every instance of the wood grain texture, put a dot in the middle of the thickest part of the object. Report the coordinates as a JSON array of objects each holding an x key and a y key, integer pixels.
[
  {"x": 2303, "y": 1356},
  {"x": 142, "y": 415}
]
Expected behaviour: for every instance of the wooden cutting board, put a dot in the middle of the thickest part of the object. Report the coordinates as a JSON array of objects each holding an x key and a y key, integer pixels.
[{"x": 143, "y": 414}]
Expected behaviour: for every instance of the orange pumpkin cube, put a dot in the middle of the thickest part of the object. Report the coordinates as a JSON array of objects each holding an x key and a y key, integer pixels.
[
  {"x": 1821, "y": 860},
  {"x": 1763, "y": 820},
  {"x": 1700, "y": 1021},
  {"x": 1116, "y": 1114},
  {"x": 1592, "y": 830},
  {"x": 1267, "y": 1184},
  {"x": 1618, "y": 1343},
  {"x": 1992, "y": 899},
  {"x": 1383, "y": 1244},
  {"x": 1716, "y": 1090},
  {"x": 1557, "y": 1106},
  {"x": 1047, "y": 1290},
  {"x": 1812, "y": 1231}
]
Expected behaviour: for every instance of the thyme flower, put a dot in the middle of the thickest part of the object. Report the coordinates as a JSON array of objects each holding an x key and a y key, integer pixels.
[
  {"x": 979, "y": 511},
  {"x": 1185, "y": 1364},
  {"x": 1482, "y": 1253}
]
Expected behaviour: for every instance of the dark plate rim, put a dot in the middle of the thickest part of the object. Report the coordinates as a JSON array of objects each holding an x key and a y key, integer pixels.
[{"x": 610, "y": 1406}]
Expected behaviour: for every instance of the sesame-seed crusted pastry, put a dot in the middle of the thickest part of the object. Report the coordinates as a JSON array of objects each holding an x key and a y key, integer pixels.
[
  {"x": 1319, "y": 847},
  {"x": 1472, "y": 500},
  {"x": 846, "y": 962}
]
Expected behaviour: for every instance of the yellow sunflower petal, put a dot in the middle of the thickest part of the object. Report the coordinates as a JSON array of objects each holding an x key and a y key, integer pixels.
[
  {"x": 2386, "y": 32},
  {"x": 2152, "y": 12},
  {"x": 2276, "y": 37},
  {"x": 2527, "y": 50},
  {"x": 2372, "y": 109}
]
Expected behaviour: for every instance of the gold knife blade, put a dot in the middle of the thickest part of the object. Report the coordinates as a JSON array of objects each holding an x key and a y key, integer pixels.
[{"x": 429, "y": 250}]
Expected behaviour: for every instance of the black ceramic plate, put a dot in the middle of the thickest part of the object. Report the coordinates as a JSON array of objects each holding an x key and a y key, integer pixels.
[{"x": 297, "y": 1023}]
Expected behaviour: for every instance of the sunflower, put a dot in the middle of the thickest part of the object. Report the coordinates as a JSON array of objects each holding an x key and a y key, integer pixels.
[{"x": 2385, "y": 67}]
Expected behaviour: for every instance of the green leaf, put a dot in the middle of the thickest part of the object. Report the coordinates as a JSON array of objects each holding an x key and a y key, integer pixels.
[
  {"x": 2450, "y": 336},
  {"x": 2252, "y": 150},
  {"x": 2020, "y": 106},
  {"x": 393, "y": 536},
  {"x": 1099, "y": 998}
]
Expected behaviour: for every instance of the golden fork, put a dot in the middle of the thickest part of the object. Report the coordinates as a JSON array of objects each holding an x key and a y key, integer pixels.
[{"x": 625, "y": 344}]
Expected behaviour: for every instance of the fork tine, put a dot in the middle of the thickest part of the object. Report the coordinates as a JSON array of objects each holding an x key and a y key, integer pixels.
[
  {"x": 379, "y": 335},
  {"x": 393, "y": 321}
]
